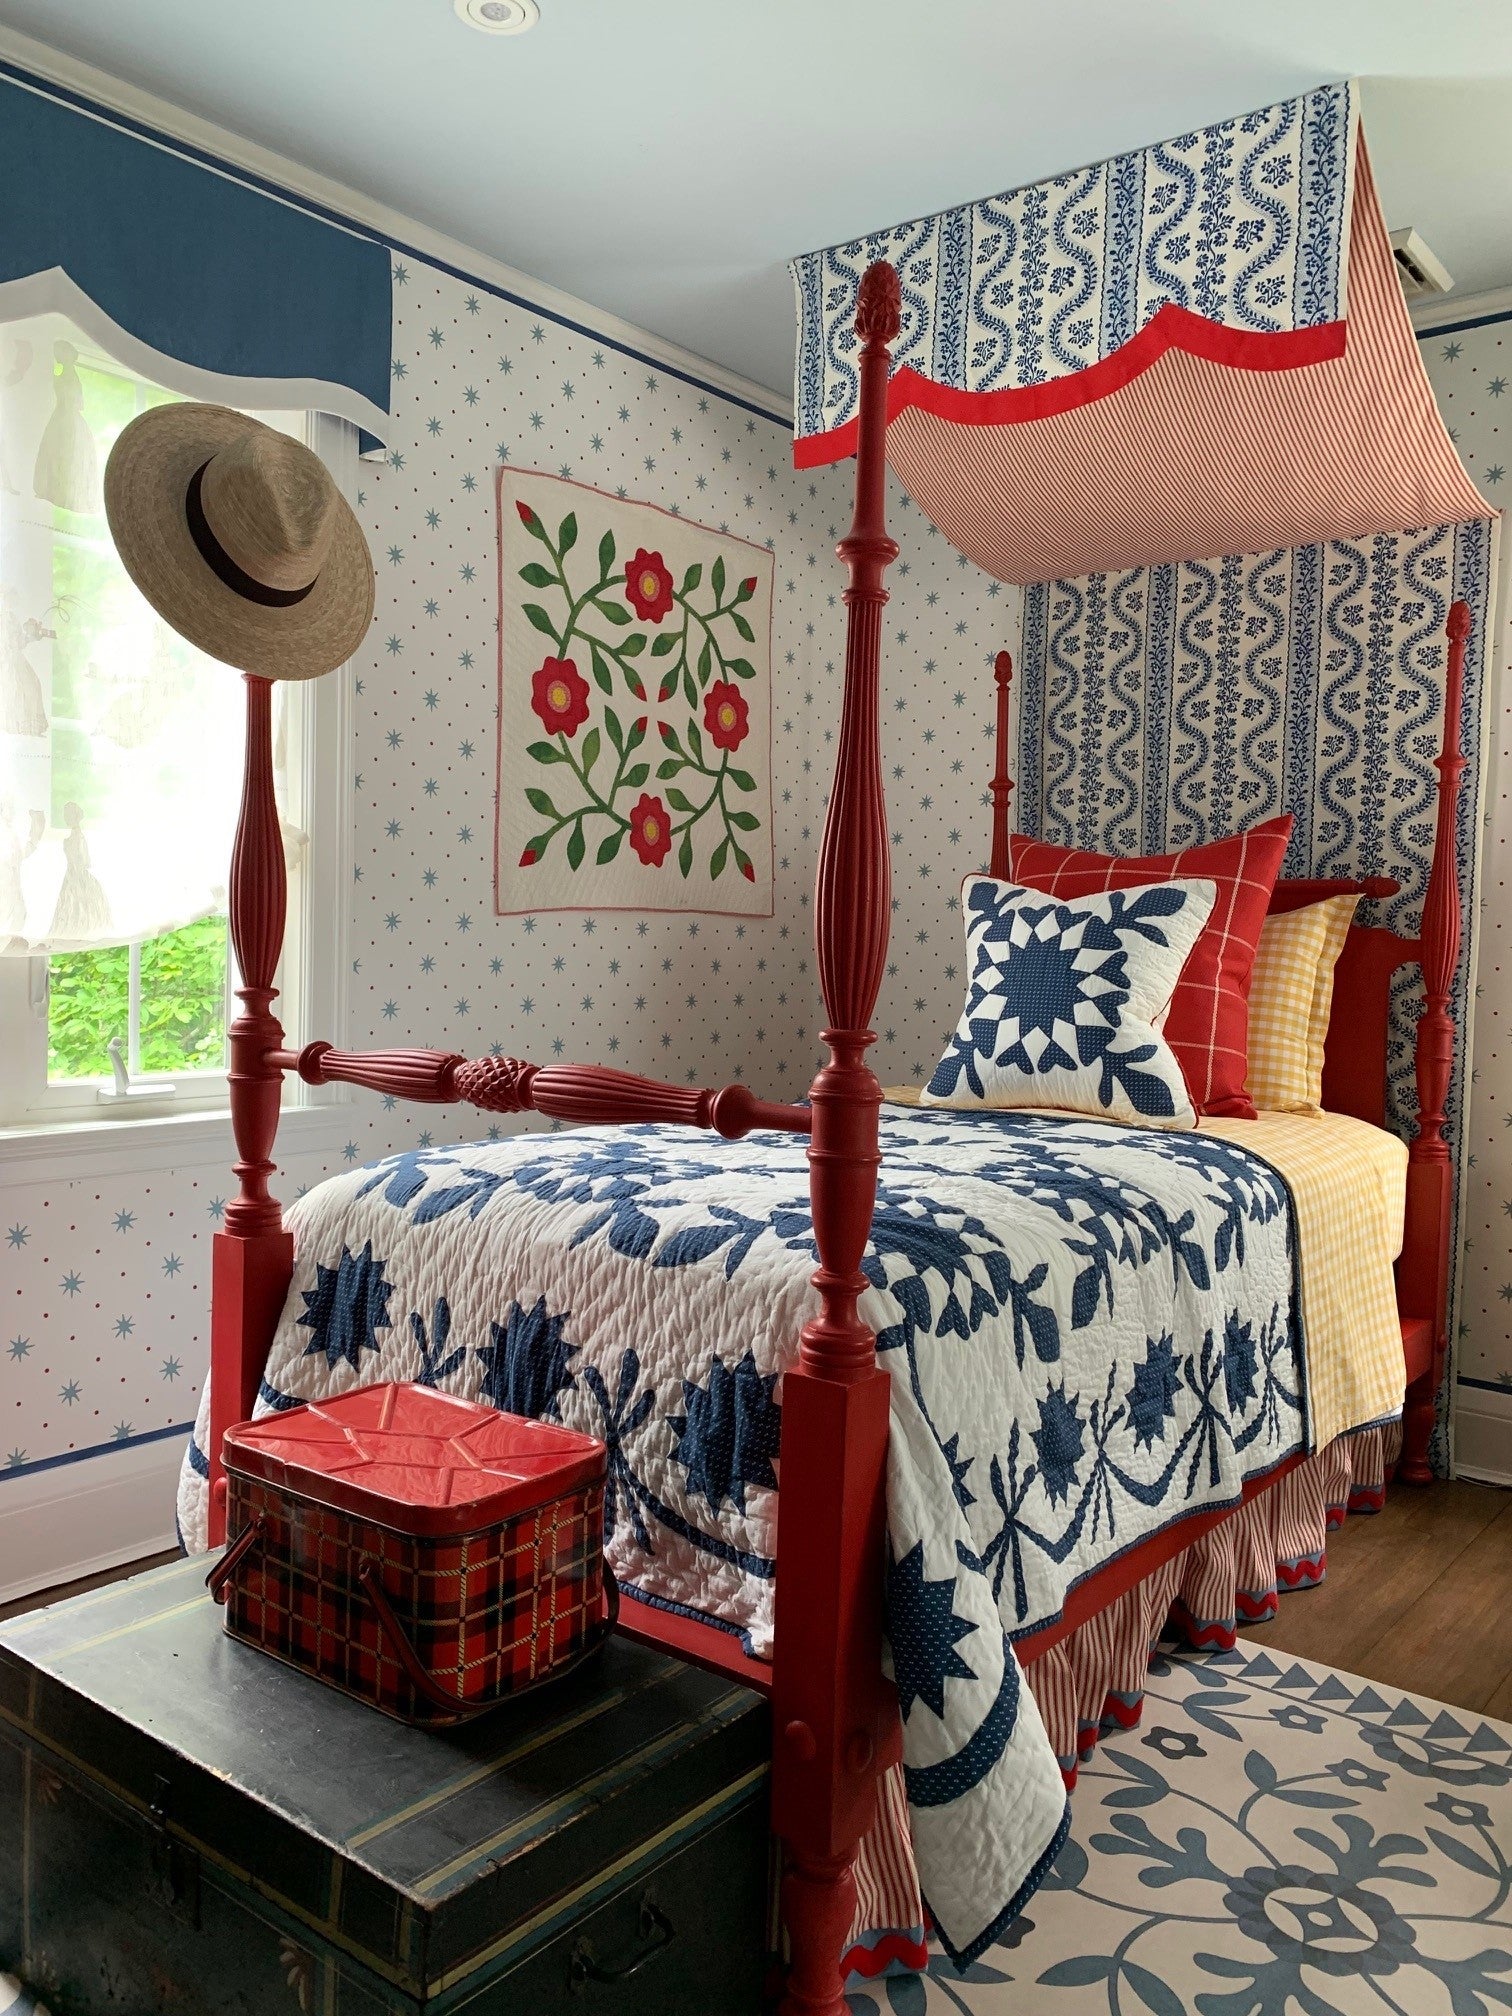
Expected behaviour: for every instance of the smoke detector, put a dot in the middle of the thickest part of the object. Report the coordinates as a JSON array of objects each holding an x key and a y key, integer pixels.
[
  {"x": 1419, "y": 271},
  {"x": 498, "y": 17}
]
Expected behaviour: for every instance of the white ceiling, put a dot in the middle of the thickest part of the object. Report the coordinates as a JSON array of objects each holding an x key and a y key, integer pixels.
[{"x": 664, "y": 158}]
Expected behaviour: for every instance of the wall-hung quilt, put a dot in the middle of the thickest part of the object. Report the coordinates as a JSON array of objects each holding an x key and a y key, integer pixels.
[{"x": 635, "y": 765}]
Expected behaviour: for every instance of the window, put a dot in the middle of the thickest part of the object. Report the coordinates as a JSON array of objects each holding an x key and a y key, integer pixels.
[{"x": 120, "y": 775}]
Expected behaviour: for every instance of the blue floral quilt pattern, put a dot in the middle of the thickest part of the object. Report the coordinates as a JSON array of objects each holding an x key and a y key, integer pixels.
[
  {"x": 1092, "y": 1331},
  {"x": 1064, "y": 996}
]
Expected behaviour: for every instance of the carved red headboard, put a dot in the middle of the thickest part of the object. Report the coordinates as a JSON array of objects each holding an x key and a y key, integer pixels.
[{"x": 1354, "y": 1066}]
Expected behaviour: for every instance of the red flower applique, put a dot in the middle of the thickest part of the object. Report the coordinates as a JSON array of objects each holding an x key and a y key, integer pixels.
[
  {"x": 650, "y": 830},
  {"x": 726, "y": 716},
  {"x": 648, "y": 586},
  {"x": 559, "y": 694}
]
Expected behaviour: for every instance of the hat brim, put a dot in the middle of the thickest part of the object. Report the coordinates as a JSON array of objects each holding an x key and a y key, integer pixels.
[{"x": 146, "y": 484}]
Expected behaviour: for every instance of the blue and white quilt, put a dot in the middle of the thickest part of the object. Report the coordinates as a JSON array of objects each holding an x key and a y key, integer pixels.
[{"x": 1093, "y": 1330}]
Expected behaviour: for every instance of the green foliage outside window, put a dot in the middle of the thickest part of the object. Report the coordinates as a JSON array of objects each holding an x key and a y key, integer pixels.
[{"x": 183, "y": 1004}]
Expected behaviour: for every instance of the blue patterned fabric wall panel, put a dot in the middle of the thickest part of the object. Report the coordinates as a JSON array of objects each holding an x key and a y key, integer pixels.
[
  {"x": 1174, "y": 704},
  {"x": 1244, "y": 223}
]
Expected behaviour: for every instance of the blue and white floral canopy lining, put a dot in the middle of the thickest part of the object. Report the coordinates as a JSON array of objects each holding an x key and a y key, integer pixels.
[{"x": 1084, "y": 362}]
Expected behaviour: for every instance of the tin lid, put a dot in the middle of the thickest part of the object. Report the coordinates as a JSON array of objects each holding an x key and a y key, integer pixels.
[{"x": 415, "y": 1460}]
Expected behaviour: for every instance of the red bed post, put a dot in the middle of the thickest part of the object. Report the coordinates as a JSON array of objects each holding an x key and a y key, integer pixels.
[
  {"x": 1424, "y": 1269},
  {"x": 833, "y": 1714},
  {"x": 1002, "y": 783},
  {"x": 254, "y": 1255}
]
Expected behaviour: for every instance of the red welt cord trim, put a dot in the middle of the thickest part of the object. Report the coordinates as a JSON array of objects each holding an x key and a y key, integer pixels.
[{"x": 1171, "y": 328}]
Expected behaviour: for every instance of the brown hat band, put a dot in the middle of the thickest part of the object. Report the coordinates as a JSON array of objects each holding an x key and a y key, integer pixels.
[{"x": 219, "y": 561}]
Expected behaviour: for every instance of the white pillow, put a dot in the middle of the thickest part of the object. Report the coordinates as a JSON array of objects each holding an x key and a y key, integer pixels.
[{"x": 1067, "y": 998}]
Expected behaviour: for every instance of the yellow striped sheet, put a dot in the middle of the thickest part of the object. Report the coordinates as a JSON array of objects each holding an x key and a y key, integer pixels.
[{"x": 1349, "y": 1183}]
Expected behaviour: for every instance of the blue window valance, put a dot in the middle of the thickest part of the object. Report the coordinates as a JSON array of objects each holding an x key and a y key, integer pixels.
[{"x": 189, "y": 271}]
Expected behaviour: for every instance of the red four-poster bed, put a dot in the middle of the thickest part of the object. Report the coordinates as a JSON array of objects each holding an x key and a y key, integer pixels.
[{"x": 836, "y": 1728}]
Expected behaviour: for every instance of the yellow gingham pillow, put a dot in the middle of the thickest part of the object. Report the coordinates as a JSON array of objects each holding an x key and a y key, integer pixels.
[{"x": 1290, "y": 999}]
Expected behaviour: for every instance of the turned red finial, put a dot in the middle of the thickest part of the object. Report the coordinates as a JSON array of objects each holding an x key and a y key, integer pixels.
[
  {"x": 1458, "y": 625},
  {"x": 1002, "y": 669},
  {"x": 879, "y": 303}
]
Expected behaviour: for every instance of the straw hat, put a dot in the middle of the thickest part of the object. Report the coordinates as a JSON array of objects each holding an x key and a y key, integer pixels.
[{"x": 238, "y": 537}]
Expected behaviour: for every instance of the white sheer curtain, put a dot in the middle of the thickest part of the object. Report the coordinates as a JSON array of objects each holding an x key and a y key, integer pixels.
[{"x": 120, "y": 745}]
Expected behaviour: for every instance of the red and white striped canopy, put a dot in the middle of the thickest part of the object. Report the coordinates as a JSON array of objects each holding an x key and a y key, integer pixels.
[{"x": 1201, "y": 349}]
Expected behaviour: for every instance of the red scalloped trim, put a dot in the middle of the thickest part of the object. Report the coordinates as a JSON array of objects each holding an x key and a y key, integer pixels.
[
  {"x": 1170, "y": 328},
  {"x": 1202, "y": 1637},
  {"x": 892, "y": 1949}
]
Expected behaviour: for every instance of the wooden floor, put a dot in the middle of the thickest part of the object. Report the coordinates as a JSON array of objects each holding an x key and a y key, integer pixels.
[
  {"x": 83, "y": 1585},
  {"x": 1419, "y": 1597}
]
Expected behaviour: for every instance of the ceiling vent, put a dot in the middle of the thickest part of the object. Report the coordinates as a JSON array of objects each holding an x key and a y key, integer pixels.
[
  {"x": 1417, "y": 269},
  {"x": 498, "y": 17}
]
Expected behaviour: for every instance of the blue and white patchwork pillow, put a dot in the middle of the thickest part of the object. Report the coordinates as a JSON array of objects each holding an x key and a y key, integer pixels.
[{"x": 1067, "y": 999}]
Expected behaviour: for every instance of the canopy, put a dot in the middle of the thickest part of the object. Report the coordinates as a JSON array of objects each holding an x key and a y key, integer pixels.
[{"x": 1199, "y": 348}]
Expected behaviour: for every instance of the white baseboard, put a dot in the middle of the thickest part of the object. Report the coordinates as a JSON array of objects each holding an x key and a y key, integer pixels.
[
  {"x": 1482, "y": 1445},
  {"x": 80, "y": 1518}
]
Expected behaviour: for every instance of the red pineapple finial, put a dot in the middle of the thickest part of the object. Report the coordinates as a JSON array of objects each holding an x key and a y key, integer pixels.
[{"x": 879, "y": 303}]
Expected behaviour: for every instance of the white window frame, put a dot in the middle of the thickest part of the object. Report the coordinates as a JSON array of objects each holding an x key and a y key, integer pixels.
[{"x": 77, "y": 1117}]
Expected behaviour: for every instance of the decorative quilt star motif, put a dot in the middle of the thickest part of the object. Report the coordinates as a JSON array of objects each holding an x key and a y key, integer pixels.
[
  {"x": 730, "y": 1432},
  {"x": 347, "y": 1307},
  {"x": 1152, "y": 1397},
  {"x": 1238, "y": 1362},
  {"x": 1059, "y": 1440},
  {"x": 526, "y": 1362},
  {"x": 923, "y": 1630}
]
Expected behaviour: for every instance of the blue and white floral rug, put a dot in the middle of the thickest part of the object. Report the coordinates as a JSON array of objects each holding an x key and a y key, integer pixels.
[{"x": 1275, "y": 1839}]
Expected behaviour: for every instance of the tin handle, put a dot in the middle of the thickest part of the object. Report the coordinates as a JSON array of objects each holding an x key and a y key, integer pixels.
[
  {"x": 220, "y": 1575},
  {"x": 424, "y": 1683}
]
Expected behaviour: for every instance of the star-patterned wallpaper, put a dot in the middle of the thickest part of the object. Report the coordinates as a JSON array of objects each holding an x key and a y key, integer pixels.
[
  {"x": 1470, "y": 367},
  {"x": 106, "y": 1285}
]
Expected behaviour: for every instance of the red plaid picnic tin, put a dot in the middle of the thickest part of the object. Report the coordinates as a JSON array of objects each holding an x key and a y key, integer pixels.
[{"x": 427, "y": 1554}]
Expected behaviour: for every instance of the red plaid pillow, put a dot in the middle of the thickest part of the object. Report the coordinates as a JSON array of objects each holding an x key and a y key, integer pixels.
[{"x": 1208, "y": 1022}]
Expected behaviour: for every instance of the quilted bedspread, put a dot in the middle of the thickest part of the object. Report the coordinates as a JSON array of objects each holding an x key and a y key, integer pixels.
[{"x": 1092, "y": 1331}]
